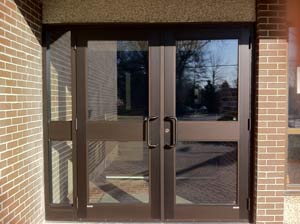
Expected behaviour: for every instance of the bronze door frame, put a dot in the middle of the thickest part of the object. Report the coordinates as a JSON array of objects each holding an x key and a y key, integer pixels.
[
  {"x": 162, "y": 63},
  {"x": 238, "y": 131},
  {"x": 117, "y": 131}
]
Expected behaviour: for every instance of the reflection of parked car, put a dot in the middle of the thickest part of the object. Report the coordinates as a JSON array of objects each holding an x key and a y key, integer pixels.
[
  {"x": 189, "y": 110},
  {"x": 227, "y": 118},
  {"x": 203, "y": 110}
]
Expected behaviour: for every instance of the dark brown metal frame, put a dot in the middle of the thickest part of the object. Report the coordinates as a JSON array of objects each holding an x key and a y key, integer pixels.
[
  {"x": 238, "y": 131},
  {"x": 117, "y": 131},
  {"x": 162, "y": 64},
  {"x": 57, "y": 131}
]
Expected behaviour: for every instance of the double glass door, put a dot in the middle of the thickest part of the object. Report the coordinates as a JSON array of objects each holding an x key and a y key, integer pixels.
[{"x": 163, "y": 124}]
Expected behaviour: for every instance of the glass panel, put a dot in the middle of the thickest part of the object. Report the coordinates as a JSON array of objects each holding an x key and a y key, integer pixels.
[
  {"x": 294, "y": 80},
  {"x": 206, "y": 173},
  {"x": 293, "y": 163},
  {"x": 117, "y": 80},
  {"x": 60, "y": 76},
  {"x": 118, "y": 172},
  {"x": 207, "y": 80},
  {"x": 61, "y": 172}
]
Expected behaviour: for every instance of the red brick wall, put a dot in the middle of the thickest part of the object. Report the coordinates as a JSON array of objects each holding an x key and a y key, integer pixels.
[
  {"x": 21, "y": 164},
  {"x": 271, "y": 111}
]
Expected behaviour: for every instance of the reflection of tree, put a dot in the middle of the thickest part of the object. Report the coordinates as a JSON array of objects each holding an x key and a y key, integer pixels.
[
  {"x": 132, "y": 59},
  {"x": 189, "y": 70},
  {"x": 210, "y": 98},
  {"x": 201, "y": 87},
  {"x": 215, "y": 62}
]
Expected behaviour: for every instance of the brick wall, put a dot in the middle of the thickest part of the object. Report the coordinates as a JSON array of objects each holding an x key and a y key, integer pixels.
[
  {"x": 21, "y": 164},
  {"x": 271, "y": 111}
]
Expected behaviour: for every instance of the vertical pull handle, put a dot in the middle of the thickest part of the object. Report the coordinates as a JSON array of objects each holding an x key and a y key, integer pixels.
[
  {"x": 148, "y": 136},
  {"x": 173, "y": 121}
]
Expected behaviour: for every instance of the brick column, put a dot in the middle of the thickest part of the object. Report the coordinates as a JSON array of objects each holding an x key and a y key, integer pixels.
[
  {"x": 271, "y": 111},
  {"x": 21, "y": 162}
]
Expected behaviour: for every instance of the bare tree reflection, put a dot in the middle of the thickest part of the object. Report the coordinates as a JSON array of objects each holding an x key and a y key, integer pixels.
[{"x": 203, "y": 76}]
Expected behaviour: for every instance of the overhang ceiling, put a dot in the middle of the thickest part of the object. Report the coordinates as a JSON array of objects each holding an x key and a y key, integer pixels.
[{"x": 147, "y": 11}]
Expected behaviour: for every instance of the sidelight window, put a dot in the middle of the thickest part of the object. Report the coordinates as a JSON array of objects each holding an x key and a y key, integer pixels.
[{"x": 293, "y": 154}]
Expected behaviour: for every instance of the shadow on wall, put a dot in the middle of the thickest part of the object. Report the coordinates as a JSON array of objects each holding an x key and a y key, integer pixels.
[{"x": 32, "y": 13}]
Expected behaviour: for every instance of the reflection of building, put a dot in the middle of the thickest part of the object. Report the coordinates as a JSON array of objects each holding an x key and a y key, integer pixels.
[
  {"x": 228, "y": 101},
  {"x": 61, "y": 110}
]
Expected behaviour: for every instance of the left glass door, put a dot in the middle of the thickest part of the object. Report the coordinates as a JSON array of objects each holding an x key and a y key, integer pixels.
[{"x": 117, "y": 113}]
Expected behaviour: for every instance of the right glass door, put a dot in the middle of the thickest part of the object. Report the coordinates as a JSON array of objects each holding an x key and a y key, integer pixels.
[{"x": 207, "y": 124}]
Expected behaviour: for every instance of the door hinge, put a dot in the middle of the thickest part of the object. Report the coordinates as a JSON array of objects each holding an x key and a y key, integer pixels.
[
  {"x": 75, "y": 47},
  {"x": 77, "y": 202},
  {"x": 76, "y": 124},
  {"x": 248, "y": 204}
]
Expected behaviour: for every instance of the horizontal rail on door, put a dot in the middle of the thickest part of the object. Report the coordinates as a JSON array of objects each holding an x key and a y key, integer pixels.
[
  {"x": 208, "y": 131},
  {"x": 116, "y": 130}
]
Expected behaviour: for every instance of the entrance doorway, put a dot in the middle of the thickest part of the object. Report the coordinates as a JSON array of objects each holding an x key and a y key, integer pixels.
[{"x": 163, "y": 124}]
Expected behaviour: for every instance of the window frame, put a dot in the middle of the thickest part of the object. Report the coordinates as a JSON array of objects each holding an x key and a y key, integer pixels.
[
  {"x": 57, "y": 130},
  {"x": 70, "y": 213},
  {"x": 291, "y": 188}
]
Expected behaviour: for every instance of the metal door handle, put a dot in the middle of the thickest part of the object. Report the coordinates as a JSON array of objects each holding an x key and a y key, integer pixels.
[
  {"x": 173, "y": 121},
  {"x": 148, "y": 119}
]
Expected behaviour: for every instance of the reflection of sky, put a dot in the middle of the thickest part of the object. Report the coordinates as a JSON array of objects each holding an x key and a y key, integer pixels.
[
  {"x": 226, "y": 51},
  {"x": 292, "y": 56},
  {"x": 222, "y": 57}
]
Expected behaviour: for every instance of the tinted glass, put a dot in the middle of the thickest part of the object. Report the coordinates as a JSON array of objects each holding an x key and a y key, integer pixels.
[
  {"x": 207, "y": 80},
  {"x": 60, "y": 76},
  {"x": 294, "y": 80},
  {"x": 206, "y": 173},
  {"x": 61, "y": 172},
  {"x": 293, "y": 163},
  {"x": 118, "y": 172},
  {"x": 117, "y": 80}
]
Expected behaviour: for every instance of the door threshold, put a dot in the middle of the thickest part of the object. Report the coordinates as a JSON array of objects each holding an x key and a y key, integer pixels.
[{"x": 75, "y": 222}]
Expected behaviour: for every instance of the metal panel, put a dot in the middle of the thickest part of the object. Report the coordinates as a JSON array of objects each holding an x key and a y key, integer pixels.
[
  {"x": 45, "y": 119},
  {"x": 81, "y": 132},
  {"x": 113, "y": 212},
  {"x": 116, "y": 131},
  {"x": 208, "y": 131},
  {"x": 206, "y": 213},
  {"x": 170, "y": 104},
  {"x": 154, "y": 110},
  {"x": 74, "y": 124},
  {"x": 60, "y": 130},
  {"x": 245, "y": 119}
]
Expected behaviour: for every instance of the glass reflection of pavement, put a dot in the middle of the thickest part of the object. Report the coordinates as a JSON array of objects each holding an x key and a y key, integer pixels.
[{"x": 206, "y": 174}]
